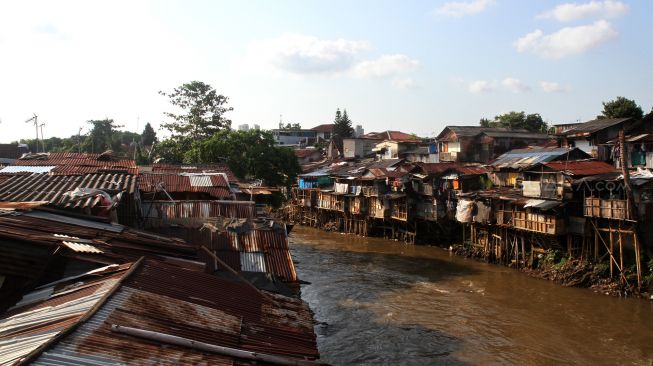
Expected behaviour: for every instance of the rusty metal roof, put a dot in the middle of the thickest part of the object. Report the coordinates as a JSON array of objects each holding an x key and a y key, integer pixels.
[
  {"x": 592, "y": 126},
  {"x": 79, "y": 164},
  {"x": 441, "y": 168},
  {"x": 580, "y": 167},
  {"x": 215, "y": 184},
  {"x": 196, "y": 306},
  {"x": 53, "y": 188},
  {"x": 47, "y": 311},
  {"x": 117, "y": 243},
  {"x": 191, "y": 168}
]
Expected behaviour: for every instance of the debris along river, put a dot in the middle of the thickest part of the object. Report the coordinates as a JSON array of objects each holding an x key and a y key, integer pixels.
[{"x": 384, "y": 302}]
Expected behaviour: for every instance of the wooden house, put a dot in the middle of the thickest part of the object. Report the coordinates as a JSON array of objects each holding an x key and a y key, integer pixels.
[
  {"x": 593, "y": 135},
  {"x": 553, "y": 180},
  {"x": 508, "y": 169},
  {"x": 482, "y": 144}
]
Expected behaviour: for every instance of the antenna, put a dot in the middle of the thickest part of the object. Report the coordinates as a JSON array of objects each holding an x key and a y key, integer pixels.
[{"x": 36, "y": 126}]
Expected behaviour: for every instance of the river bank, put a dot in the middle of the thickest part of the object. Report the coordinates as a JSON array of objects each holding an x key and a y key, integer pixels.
[
  {"x": 381, "y": 302},
  {"x": 570, "y": 272}
]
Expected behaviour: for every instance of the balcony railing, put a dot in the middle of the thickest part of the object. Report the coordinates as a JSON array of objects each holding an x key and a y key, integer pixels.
[
  {"x": 607, "y": 208},
  {"x": 540, "y": 223}
]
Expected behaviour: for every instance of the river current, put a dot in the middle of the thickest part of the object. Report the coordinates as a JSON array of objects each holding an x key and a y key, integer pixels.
[{"x": 380, "y": 302}]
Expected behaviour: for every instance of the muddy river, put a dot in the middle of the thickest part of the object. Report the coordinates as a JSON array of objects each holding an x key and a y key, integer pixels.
[{"x": 381, "y": 302}]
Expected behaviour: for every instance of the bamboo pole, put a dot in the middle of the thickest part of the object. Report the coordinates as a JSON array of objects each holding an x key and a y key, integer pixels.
[{"x": 611, "y": 251}]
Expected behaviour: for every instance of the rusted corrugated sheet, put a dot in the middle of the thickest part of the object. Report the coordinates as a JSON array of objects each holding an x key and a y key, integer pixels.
[
  {"x": 192, "y": 168},
  {"x": 252, "y": 262},
  {"x": 162, "y": 298},
  {"x": 581, "y": 167},
  {"x": 52, "y": 188},
  {"x": 47, "y": 311},
  {"x": 119, "y": 244},
  {"x": 77, "y": 164},
  {"x": 173, "y": 183}
]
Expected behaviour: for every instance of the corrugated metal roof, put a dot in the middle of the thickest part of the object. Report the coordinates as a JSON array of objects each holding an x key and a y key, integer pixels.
[
  {"x": 252, "y": 262},
  {"x": 78, "y": 164},
  {"x": 53, "y": 188},
  {"x": 27, "y": 169},
  {"x": 580, "y": 167},
  {"x": 215, "y": 185},
  {"x": 193, "y": 168},
  {"x": 200, "y": 181},
  {"x": 592, "y": 126},
  {"x": 81, "y": 247},
  {"x": 46, "y": 312},
  {"x": 170, "y": 300},
  {"x": 445, "y": 167}
]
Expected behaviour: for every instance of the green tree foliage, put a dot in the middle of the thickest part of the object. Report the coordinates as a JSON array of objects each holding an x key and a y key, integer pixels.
[
  {"x": 621, "y": 107},
  {"x": 103, "y": 135},
  {"x": 250, "y": 155},
  {"x": 531, "y": 122},
  {"x": 203, "y": 111},
  {"x": 148, "y": 137},
  {"x": 343, "y": 125}
]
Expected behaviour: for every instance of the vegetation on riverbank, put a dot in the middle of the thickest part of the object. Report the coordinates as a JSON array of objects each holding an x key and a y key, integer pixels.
[{"x": 573, "y": 272}]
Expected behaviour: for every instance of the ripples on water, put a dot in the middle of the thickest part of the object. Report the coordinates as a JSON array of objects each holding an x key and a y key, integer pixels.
[{"x": 384, "y": 303}]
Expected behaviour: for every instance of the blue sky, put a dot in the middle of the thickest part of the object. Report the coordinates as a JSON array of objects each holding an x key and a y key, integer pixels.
[{"x": 412, "y": 66}]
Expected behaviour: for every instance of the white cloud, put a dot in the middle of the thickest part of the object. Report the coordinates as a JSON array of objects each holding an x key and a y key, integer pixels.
[
  {"x": 481, "y": 86},
  {"x": 385, "y": 66},
  {"x": 594, "y": 9},
  {"x": 515, "y": 85},
  {"x": 553, "y": 87},
  {"x": 404, "y": 83},
  {"x": 567, "y": 41},
  {"x": 302, "y": 54},
  {"x": 462, "y": 8}
]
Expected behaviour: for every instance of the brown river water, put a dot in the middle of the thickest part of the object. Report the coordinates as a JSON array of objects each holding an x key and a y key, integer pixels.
[{"x": 381, "y": 302}]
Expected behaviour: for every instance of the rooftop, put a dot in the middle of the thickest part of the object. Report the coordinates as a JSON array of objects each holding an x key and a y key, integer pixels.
[
  {"x": 79, "y": 164},
  {"x": 524, "y": 158},
  {"x": 581, "y": 167},
  {"x": 592, "y": 126},
  {"x": 213, "y": 184},
  {"x": 327, "y": 127}
]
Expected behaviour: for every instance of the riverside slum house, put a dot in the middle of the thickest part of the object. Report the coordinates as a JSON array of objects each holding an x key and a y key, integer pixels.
[
  {"x": 75, "y": 290},
  {"x": 574, "y": 206},
  {"x": 476, "y": 144},
  {"x": 638, "y": 139},
  {"x": 197, "y": 204},
  {"x": 390, "y": 198}
]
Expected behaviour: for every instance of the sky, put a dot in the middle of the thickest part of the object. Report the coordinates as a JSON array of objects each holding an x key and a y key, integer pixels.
[{"x": 414, "y": 66}]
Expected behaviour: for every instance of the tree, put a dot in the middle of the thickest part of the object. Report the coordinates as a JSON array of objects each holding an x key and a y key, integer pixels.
[
  {"x": 148, "y": 137},
  {"x": 101, "y": 137},
  {"x": 531, "y": 122},
  {"x": 203, "y": 108},
  {"x": 620, "y": 108},
  {"x": 250, "y": 155},
  {"x": 342, "y": 125}
]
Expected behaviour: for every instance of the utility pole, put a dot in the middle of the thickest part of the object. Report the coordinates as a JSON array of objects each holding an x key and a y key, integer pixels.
[
  {"x": 42, "y": 136},
  {"x": 36, "y": 126},
  {"x": 79, "y": 139}
]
